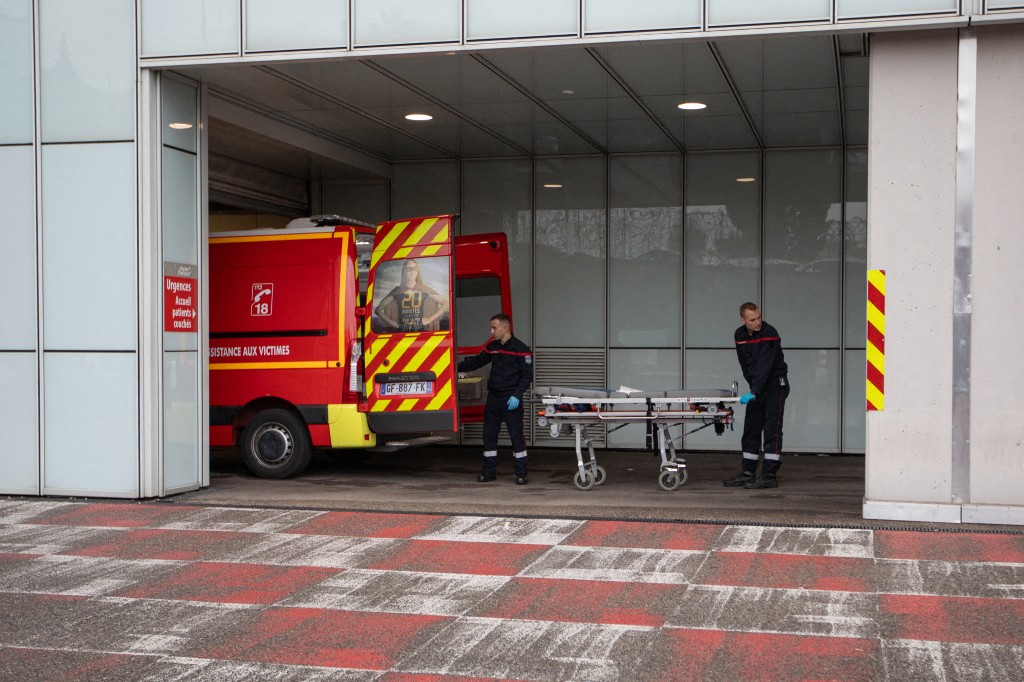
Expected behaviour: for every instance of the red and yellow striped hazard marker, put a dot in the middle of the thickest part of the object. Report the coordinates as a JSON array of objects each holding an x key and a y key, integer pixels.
[{"x": 876, "y": 341}]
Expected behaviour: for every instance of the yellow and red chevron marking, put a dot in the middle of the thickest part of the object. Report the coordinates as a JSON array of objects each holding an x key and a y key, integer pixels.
[
  {"x": 424, "y": 352},
  {"x": 412, "y": 239},
  {"x": 876, "y": 341}
]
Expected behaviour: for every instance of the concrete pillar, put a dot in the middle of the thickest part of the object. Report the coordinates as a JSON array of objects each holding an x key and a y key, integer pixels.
[
  {"x": 944, "y": 210},
  {"x": 911, "y": 217}
]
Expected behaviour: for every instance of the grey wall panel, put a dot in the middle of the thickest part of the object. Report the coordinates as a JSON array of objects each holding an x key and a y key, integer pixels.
[
  {"x": 17, "y": 110},
  {"x": 19, "y": 404},
  {"x": 190, "y": 27},
  {"x": 18, "y": 244},
  {"x": 90, "y": 281},
  {"x": 91, "y": 424},
  {"x": 87, "y": 70}
]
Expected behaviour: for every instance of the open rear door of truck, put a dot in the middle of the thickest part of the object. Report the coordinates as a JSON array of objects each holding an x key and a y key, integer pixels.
[{"x": 410, "y": 346}]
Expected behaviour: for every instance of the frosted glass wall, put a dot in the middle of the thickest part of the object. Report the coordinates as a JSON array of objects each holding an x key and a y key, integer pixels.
[
  {"x": 570, "y": 252},
  {"x": 645, "y": 250},
  {"x": 607, "y": 16},
  {"x": 497, "y": 198},
  {"x": 296, "y": 25},
  {"x": 736, "y": 12},
  {"x": 648, "y": 257},
  {"x": 87, "y": 70},
  {"x": 490, "y": 19},
  {"x": 397, "y": 22},
  {"x": 179, "y": 125},
  {"x": 186, "y": 27},
  {"x": 16, "y": 73},
  {"x": 803, "y": 238},
  {"x": 723, "y": 244}
]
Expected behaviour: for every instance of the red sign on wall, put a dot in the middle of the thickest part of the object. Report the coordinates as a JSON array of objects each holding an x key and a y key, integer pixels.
[{"x": 181, "y": 292}]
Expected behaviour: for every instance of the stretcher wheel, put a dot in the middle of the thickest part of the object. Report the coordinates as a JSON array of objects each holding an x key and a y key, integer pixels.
[
  {"x": 583, "y": 480},
  {"x": 600, "y": 475},
  {"x": 542, "y": 421},
  {"x": 670, "y": 480}
]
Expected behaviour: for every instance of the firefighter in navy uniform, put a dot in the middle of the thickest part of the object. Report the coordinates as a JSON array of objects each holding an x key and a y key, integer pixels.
[
  {"x": 759, "y": 349},
  {"x": 511, "y": 363}
]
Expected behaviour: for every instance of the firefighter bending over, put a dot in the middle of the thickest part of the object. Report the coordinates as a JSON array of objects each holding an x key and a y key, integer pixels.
[
  {"x": 511, "y": 373},
  {"x": 759, "y": 350}
]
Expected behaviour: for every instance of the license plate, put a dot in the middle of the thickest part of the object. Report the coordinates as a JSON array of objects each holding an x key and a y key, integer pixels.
[{"x": 407, "y": 388}]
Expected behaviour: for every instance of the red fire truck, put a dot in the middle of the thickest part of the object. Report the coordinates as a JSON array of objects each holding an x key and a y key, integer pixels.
[{"x": 344, "y": 336}]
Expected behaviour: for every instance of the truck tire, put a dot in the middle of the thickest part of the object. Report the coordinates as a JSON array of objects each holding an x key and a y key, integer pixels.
[{"x": 276, "y": 444}]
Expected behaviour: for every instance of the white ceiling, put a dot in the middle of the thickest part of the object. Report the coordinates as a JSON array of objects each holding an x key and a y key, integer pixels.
[{"x": 761, "y": 93}]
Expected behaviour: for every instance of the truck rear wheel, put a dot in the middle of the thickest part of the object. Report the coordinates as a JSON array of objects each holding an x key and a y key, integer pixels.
[{"x": 276, "y": 444}]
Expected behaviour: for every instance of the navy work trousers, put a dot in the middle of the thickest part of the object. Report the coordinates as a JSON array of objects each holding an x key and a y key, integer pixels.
[
  {"x": 495, "y": 412},
  {"x": 764, "y": 416}
]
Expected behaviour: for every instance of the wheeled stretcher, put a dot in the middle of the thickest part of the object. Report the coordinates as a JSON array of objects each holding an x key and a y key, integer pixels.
[{"x": 577, "y": 409}]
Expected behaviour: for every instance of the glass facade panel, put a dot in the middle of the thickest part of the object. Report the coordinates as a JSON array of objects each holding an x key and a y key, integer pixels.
[
  {"x": 856, "y": 250},
  {"x": 186, "y": 27},
  {"x": 180, "y": 114},
  {"x": 722, "y": 246},
  {"x": 181, "y": 226},
  {"x": 1004, "y": 4},
  {"x": 87, "y": 75},
  {"x": 17, "y": 111},
  {"x": 811, "y": 422},
  {"x": 489, "y": 19},
  {"x": 607, "y": 16},
  {"x": 18, "y": 244},
  {"x": 91, "y": 424},
  {"x": 812, "y": 410},
  {"x": 802, "y": 245},
  {"x": 646, "y": 370},
  {"x": 854, "y": 399},
  {"x": 419, "y": 189},
  {"x": 89, "y": 215},
  {"x": 570, "y": 253},
  {"x": 19, "y": 457},
  {"x": 645, "y": 251},
  {"x": 181, "y": 420},
  {"x": 854, "y": 9},
  {"x": 496, "y": 197},
  {"x": 736, "y": 12},
  {"x": 396, "y": 22},
  {"x": 714, "y": 369},
  {"x": 295, "y": 25}
]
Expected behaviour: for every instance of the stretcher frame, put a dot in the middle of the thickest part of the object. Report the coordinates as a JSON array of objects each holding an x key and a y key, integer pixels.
[{"x": 581, "y": 408}]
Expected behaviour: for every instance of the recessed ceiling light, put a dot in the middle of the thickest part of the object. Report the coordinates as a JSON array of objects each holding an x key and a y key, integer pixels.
[
  {"x": 692, "y": 106},
  {"x": 419, "y": 117},
  {"x": 179, "y": 126},
  {"x": 552, "y": 185},
  {"x": 568, "y": 92},
  {"x": 746, "y": 179}
]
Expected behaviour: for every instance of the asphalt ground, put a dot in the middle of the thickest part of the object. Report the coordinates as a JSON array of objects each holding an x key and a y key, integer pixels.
[
  {"x": 161, "y": 592},
  {"x": 404, "y": 568}
]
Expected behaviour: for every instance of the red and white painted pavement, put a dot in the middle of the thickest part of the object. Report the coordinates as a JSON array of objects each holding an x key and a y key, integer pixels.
[{"x": 164, "y": 592}]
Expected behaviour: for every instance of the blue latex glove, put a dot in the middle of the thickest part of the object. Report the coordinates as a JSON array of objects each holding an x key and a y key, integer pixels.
[
  {"x": 746, "y": 398},
  {"x": 513, "y": 403}
]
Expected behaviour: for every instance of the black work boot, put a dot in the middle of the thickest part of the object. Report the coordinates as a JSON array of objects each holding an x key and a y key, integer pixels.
[
  {"x": 762, "y": 481},
  {"x": 740, "y": 479},
  {"x": 521, "y": 480},
  {"x": 486, "y": 477}
]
